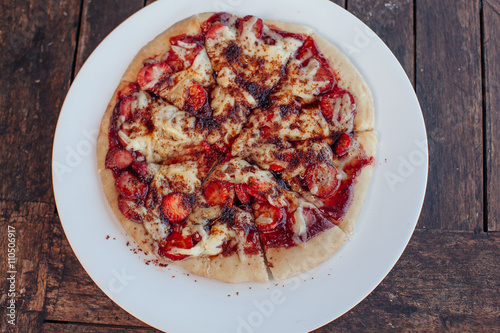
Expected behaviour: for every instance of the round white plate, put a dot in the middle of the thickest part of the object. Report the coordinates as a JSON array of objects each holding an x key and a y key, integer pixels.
[{"x": 169, "y": 299}]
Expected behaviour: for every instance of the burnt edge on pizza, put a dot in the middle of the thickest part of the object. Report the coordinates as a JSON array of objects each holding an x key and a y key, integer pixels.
[{"x": 235, "y": 144}]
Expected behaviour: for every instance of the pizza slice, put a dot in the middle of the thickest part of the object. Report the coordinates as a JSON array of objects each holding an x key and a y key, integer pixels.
[
  {"x": 332, "y": 173},
  {"x": 248, "y": 54},
  {"x": 321, "y": 76},
  {"x": 286, "y": 223}
]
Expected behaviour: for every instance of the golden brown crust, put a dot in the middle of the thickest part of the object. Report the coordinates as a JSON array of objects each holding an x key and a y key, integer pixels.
[
  {"x": 231, "y": 269},
  {"x": 368, "y": 141},
  {"x": 350, "y": 79},
  {"x": 287, "y": 262}
]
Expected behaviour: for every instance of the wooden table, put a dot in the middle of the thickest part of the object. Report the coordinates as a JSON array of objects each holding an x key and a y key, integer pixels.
[{"x": 446, "y": 280}]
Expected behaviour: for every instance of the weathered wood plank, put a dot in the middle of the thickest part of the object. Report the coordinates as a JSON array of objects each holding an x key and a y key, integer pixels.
[
  {"x": 99, "y": 18},
  {"x": 393, "y": 23},
  {"x": 491, "y": 12},
  {"x": 25, "y": 242},
  {"x": 38, "y": 42},
  {"x": 444, "y": 281},
  {"x": 448, "y": 84},
  {"x": 55, "y": 327}
]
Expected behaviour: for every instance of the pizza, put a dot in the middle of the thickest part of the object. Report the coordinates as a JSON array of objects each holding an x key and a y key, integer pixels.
[{"x": 238, "y": 148}]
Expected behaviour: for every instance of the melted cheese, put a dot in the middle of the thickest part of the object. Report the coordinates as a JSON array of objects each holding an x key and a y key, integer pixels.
[{"x": 173, "y": 129}]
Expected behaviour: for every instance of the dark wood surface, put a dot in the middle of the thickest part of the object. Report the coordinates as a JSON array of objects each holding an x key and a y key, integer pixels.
[{"x": 446, "y": 280}]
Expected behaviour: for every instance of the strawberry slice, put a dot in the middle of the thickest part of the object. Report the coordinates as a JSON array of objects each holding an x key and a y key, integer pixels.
[
  {"x": 220, "y": 17},
  {"x": 276, "y": 167},
  {"x": 149, "y": 75},
  {"x": 342, "y": 145},
  {"x": 130, "y": 187},
  {"x": 242, "y": 194},
  {"x": 258, "y": 189},
  {"x": 141, "y": 169},
  {"x": 215, "y": 31},
  {"x": 126, "y": 106},
  {"x": 128, "y": 90},
  {"x": 337, "y": 104},
  {"x": 219, "y": 193},
  {"x": 325, "y": 74},
  {"x": 267, "y": 216},
  {"x": 118, "y": 159},
  {"x": 175, "y": 239},
  {"x": 176, "y": 207},
  {"x": 129, "y": 209},
  {"x": 196, "y": 97},
  {"x": 321, "y": 179},
  {"x": 256, "y": 28}
]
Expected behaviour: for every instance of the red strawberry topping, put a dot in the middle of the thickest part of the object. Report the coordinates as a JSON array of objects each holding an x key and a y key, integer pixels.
[
  {"x": 276, "y": 167},
  {"x": 321, "y": 179},
  {"x": 342, "y": 145},
  {"x": 267, "y": 216},
  {"x": 149, "y": 75},
  {"x": 175, "y": 239},
  {"x": 128, "y": 90},
  {"x": 118, "y": 159},
  {"x": 219, "y": 193},
  {"x": 335, "y": 105},
  {"x": 258, "y": 189},
  {"x": 130, "y": 187},
  {"x": 256, "y": 27},
  {"x": 220, "y": 17},
  {"x": 126, "y": 106},
  {"x": 141, "y": 169},
  {"x": 129, "y": 209},
  {"x": 215, "y": 30},
  {"x": 242, "y": 194},
  {"x": 196, "y": 97},
  {"x": 176, "y": 207}
]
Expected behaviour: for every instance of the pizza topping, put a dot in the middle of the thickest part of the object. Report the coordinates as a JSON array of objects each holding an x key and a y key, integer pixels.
[
  {"x": 251, "y": 24},
  {"x": 321, "y": 179},
  {"x": 150, "y": 75},
  {"x": 342, "y": 145},
  {"x": 196, "y": 97},
  {"x": 118, "y": 159},
  {"x": 219, "y": 193},
  {"x": 339, "y": 108},
  {"x": 242, "y": 194},
  {"x": 130, "y": 187},
  {"x": 176, "y": 207},
  {"x": 130, "y": 209},
  {"x": 184, "y": 50},
  {"x": 175, "y": 240},
  {"x": 128, "y": 90},
  {"x": 268, "y": 217}
]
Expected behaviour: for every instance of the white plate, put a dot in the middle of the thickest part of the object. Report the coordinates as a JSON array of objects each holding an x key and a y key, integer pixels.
[{"x": 189, "y": 303}]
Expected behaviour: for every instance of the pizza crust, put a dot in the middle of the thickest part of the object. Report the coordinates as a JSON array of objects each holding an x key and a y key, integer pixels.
[
  {"x": 231, "y": 269},
  {"x": 350, "y": 79},
  {"x": 368, "y": 141},
  {"x": 287, "y": 262}
]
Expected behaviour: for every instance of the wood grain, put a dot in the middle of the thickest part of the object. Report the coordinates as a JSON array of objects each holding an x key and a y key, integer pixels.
[
  {"x": 31, "y": 239},
  {"x": 448, "y": 84},
  {"x": 491, "y": 12},
  {"x": 444, "y": 281},
  {"x": 38, "y": 41},
  {"x": 393, "y": 23},
  {"x": 99, "y": 18},
  {"x": 85, "y": 328}
]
